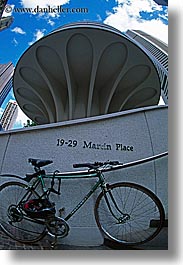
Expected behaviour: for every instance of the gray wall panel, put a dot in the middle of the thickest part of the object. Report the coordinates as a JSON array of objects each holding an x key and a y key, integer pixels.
[{"x": 129, "y": 129}]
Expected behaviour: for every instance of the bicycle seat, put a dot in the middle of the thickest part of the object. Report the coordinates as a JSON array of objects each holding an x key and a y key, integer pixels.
[{"x": 39, "y": 163}]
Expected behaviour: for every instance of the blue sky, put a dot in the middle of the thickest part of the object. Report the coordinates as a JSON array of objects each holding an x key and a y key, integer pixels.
[{"x": 121, "y": 14}]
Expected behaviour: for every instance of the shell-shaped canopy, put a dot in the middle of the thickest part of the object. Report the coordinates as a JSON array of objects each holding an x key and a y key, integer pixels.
[{"x": 82, "y": 70}]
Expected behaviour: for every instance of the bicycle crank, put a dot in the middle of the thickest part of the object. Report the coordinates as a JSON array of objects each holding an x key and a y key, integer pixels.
[
  {"x": 14, "y": 214},
  {"x": 58, "y": 227}
]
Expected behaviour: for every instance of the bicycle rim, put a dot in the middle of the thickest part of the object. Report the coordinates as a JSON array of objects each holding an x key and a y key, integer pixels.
[
  {"x": 13, "y": 221},
  {"x": 137, "y": 217}
]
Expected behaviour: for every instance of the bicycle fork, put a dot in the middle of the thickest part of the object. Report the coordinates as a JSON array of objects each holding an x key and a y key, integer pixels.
[{"x": 123, "y": 216}]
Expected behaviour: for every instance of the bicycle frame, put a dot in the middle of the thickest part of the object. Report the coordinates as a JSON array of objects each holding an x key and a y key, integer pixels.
[
  {"x": 69, "y": 175},
  {"x": 85, "y": 174}
]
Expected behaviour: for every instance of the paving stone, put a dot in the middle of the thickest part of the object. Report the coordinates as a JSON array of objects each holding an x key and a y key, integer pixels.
[{"x": 159, "y": 243}]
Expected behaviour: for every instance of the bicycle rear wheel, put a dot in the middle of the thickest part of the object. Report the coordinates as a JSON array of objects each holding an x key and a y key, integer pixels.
[
  {"x": 129, "y": 214},
  {"x": 13, "y": 221}
]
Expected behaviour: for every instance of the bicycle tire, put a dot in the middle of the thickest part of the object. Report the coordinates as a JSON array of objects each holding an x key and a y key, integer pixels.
[
  {"x": 12, "y": 219},
  {"x": 143, "y": 223}
]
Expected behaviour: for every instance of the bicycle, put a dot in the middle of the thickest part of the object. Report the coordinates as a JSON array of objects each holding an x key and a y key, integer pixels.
[{"x": 126, "y": 213}]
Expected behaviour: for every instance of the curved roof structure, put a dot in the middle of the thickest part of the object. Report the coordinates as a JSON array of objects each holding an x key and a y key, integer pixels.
[{"x": 82, "y": 70}]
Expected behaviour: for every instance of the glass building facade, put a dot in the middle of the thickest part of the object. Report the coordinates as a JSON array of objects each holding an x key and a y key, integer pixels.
[
  {"x": 9, "y": 115},
  {"x": 158, "y": 52},
  {"x": 6, "y": 76}
]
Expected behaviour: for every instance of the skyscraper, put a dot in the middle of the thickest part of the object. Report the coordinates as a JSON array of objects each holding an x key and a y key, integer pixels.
[
  {"x": 161, "y": 2},
  {"x": 2, "y": 6},
  {"x": 5, "y": 22},
  {"x": 158, "y": 52},
  {"x": 9, "y": 115},
  {"x": 6, "y": 74}
]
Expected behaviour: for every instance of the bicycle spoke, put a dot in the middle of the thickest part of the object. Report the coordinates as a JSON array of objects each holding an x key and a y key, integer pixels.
[
  {"x": 12, "y": 219},
  {"x": 130, "y": 222}
]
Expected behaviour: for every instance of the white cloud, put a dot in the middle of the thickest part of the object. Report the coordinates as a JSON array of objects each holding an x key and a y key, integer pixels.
[
  {"x": 161, "y": 101},
  {"x": 43, "y": 3},
  {"x": 1, "y": 111},
  {"x": 99, "y": 17},
  {"x": 18, "y": 30},
  {"x": 15, "y": 42},
  {"x": 51, "y": 22},
  {"x": 21, "y": 119},
  {"x": 37, "y": 35},
  {"x": 127, "y": 16}
]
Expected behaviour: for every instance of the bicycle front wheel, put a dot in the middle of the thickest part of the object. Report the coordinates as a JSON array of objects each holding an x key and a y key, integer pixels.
[
  {"x": 13, "y": 221},
  {"x": 129, "y": 214}
]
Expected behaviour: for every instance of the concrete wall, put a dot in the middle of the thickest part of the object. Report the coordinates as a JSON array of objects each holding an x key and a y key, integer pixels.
[{"x": 143, "y": 130}]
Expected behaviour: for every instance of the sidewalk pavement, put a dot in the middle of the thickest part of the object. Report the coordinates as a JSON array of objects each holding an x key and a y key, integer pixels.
[{"x": 158, "y": 243}]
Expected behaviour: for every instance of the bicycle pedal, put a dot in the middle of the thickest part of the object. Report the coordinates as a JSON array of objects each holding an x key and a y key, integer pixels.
[
  {"x": 53, "y": 245},
  {"x": 61, "y": 211}
]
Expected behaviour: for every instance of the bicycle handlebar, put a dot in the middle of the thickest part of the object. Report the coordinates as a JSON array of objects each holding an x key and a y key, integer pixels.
[{"x": 96, "y": 164}]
